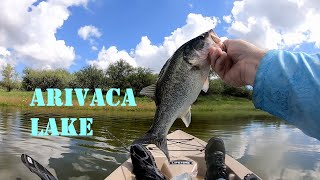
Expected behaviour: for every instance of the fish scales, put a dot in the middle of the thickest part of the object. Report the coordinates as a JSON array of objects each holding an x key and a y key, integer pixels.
[{"x": 180, "y": 81}]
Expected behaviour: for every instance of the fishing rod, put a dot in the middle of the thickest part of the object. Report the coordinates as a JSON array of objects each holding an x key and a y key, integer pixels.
[{"x": 114, "y": 137}]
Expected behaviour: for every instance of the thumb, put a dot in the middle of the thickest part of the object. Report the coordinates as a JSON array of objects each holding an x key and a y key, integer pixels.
[{"x": 225, "y": 45}]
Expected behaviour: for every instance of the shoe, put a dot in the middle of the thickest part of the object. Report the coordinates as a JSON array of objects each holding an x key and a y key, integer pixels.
[
  {"x": 144, "y": 165},
  {"x": 215, "y": 156},
  {"x": 36, "y": 168}
]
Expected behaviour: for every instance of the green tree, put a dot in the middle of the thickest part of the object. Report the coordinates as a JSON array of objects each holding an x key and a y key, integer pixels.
[
  {"x": 90, "y": 77},
  {"x": 28, "y": 80},
  {"x": 237, "y": 91},
  {"x": 10, "y": 77},
  {"x": 117, "y": 74},
  {"x": 73, "y": 81},
  {"x": 216, "y": 86},
  {"x": 44, "y": 79},
  {"x": 140, "y": 78},
  {"x": 122, "y": 75},
  {"x": 219, "y": 87}
]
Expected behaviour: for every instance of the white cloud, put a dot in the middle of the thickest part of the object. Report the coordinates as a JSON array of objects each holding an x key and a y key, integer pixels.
[
  {"x": 29, "y": 30},
  {"x": 251, "y": 142},
  {"x": 94, "y": 48},
  {"x": 89, "y": 32},
  {"x": 153, "y": 56},
  {"x": 109, "y": 56},
  {"x": 4, "y": 52},
  {"x": 5, "y": 57},
  {"x": 276, "y": 23},
  {"x": 227, "y": 19}
]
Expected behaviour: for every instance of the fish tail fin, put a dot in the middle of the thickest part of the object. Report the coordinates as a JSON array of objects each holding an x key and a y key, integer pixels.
[
  {"x": 163, "y": 146},
  {"x": 160, "y": 142}
]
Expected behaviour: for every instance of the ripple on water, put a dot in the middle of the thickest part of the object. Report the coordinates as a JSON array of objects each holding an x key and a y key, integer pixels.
[{"x": 270, "y": 148}]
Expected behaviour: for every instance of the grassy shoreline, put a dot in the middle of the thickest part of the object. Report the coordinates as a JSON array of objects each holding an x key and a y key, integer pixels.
[{"x": 213, "y": 104}]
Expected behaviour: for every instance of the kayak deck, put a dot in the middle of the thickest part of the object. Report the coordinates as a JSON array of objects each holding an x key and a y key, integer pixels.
[{"x": 186, "y": 155}]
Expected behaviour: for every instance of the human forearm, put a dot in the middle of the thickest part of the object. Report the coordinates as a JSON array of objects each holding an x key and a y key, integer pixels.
[{"x": 287, "y": 85}]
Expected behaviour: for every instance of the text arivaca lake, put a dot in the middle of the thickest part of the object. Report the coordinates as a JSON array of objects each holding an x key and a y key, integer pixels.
[{"x": 67, "y": 124}]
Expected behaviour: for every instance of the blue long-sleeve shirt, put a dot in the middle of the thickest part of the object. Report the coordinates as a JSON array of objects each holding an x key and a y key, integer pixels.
[{"x": 287, "y": 85}]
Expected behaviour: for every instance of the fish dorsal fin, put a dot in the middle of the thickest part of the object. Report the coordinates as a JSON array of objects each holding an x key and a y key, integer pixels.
[
  {"x": 206, "y": 85},
  {"x": 186, "y": 117},
  {"x": 149, "y": 91}
]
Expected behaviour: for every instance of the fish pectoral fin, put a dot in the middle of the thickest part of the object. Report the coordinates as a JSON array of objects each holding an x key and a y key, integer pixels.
[
  {"x": 186, "y": 117},
  {"x": 149, "y": 91},
  {"x": 206, "y": 85}
]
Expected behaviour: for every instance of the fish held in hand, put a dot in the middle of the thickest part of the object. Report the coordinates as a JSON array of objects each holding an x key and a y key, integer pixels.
[{"x": 180, "y": 81}]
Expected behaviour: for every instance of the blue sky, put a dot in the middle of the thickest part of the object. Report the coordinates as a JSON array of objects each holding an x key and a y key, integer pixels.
[
  {"x": 123, "y": 23},
  {"x": 45, "y": 34}
]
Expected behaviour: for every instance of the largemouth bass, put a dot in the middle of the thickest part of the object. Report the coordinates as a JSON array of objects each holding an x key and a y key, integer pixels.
[{"x": 180, "y": 81}]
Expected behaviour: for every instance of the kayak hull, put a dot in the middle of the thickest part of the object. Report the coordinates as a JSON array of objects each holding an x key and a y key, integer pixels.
[{"x": 187, "y": 157}]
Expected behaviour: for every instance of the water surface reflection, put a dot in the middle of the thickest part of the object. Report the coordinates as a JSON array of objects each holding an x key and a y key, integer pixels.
[{"x": 269, "y": 147}]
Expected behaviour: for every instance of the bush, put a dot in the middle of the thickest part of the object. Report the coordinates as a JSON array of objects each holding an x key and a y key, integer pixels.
[
  {"x": 219, "y": 87},
  {"x": 122, "y": 75},
  {"x": 237, "y": 92},
  {"x": 141, "y": 78},
  {"x": 44, "y": 79},
  {"x": 117, "y": 74},
  {"x": 216, "y": 86},
  {"x": 89, "y": 77}
]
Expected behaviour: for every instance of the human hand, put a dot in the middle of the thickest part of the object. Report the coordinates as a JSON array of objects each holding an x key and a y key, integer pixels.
[{"x": 236, "y": 61}]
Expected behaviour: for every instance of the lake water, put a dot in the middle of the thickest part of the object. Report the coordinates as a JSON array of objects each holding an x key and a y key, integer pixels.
[{"x": 269, "y": 147}]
